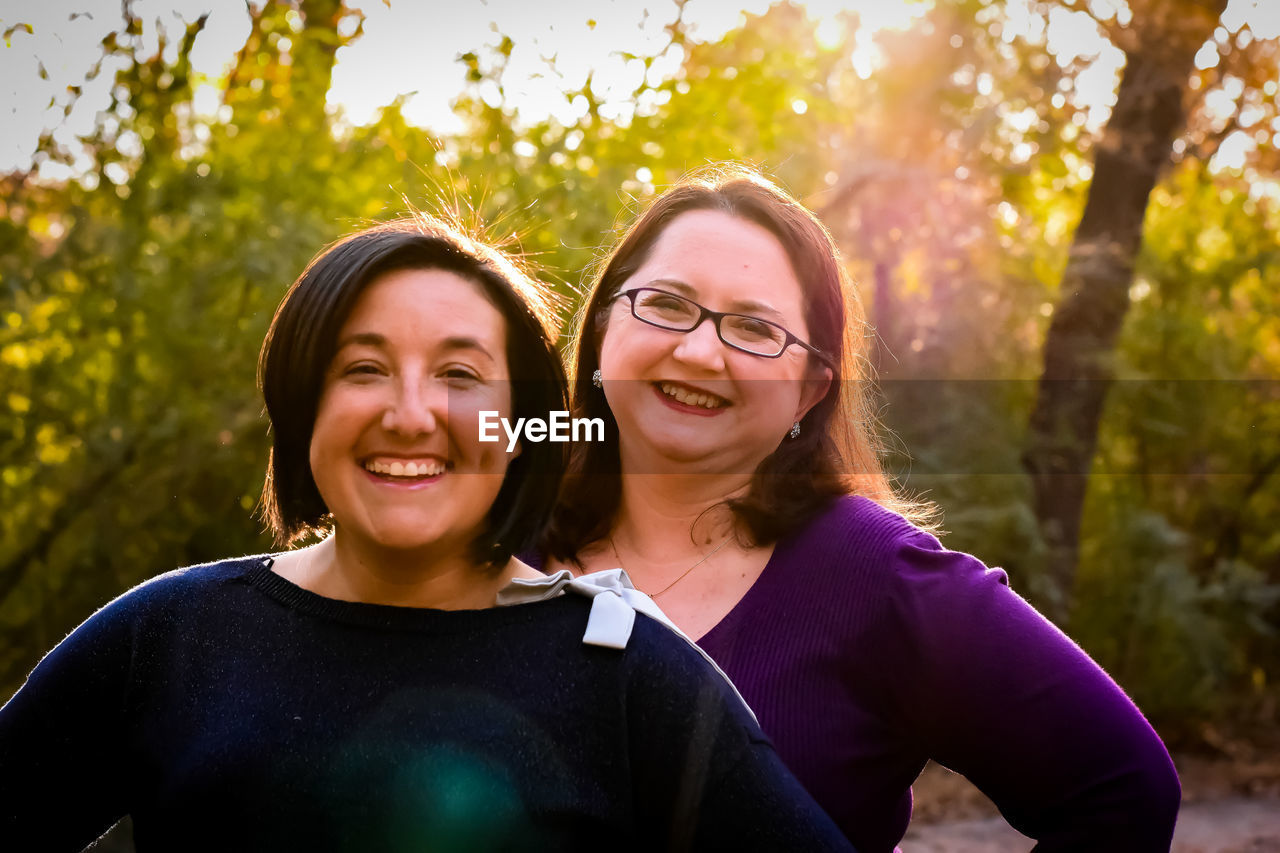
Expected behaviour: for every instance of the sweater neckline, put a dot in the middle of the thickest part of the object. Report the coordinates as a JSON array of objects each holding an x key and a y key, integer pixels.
[
  {"x": 384, "y": 616},
  {"x": 744, "y": 604},
  {"x": 773, "y": 573}
]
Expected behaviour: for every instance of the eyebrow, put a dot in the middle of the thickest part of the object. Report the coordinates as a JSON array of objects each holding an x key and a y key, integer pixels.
[
  {"x": 462, "y": 342},
  {"x": 737, "y": 306},
  {"x": 368, "y": 339},
  {"x": 449, "y": 344}
]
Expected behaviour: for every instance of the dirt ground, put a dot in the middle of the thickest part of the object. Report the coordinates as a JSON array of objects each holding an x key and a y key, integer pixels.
[{"x": 1230, "y": 804}]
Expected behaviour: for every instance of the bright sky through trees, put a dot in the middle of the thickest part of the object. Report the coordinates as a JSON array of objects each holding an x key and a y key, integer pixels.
[{"x": 410, "y": 50}]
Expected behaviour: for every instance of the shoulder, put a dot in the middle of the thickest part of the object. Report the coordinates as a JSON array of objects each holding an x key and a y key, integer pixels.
[
  {"x": 862, "y": 528},
  {"x": 856, "y": 527},
  {"x": 663, "y": 660},
  {"x": 858, "y": 548},
  {"x": 165, "y": 598},
  {"x": 923, "y": 591},
  {"x": 681, "y": 707},
  {"x": 868, "y": 578},
  {"x": 186, "y": 586},
  {"x": 106, "y": 647},
  {"x": 946, "y": 624},
  {"x": 203, "y": 575},
  {"x": 654, "y": 644}
]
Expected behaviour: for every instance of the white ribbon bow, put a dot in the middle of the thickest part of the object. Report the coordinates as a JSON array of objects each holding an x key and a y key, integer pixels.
[{"x": 614, "y": 602}]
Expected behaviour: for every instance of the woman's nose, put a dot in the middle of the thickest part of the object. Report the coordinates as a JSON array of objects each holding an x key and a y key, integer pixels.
[
  {"x": 701, "y": 346},
  {"x": 413, "y": 411}
]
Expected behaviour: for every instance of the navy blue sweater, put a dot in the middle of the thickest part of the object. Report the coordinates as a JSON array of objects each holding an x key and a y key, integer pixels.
[{"x": 228, "y": 709}]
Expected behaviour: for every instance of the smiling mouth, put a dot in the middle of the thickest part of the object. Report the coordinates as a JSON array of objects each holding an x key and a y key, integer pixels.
[
  {"x": 689, "y": 397},
  {"x": 406, "y": 471}
]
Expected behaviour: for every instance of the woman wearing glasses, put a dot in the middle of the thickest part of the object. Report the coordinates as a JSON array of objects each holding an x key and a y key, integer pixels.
[{"x": 740, "y": 486}]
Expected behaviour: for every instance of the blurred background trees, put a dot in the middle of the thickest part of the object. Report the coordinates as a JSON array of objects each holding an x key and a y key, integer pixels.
[{"x": 953, "y": 169}]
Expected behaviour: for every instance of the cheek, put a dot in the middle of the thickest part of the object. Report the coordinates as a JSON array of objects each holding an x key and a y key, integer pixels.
[
  {"x": 336, "y": 414},
  {"x": 322, "y": 461},
  {"x": 464, "y": 424},
  {"x": 605, "y": 352},
  {"x": 778, "y": 392},
  {"x": 322, "y": 435},
  {"x": 343, "y": 417},
  {"x": 634, "y": 355},
  {"x": 628, "y": 344}
]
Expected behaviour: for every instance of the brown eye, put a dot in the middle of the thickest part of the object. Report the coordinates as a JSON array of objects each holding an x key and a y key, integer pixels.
[
  {"x": 667, "y": 307},
  {"x": 362, "y": 368},
  {"x": 753, "y": 329},
  {"x": 460, "y": 376}
]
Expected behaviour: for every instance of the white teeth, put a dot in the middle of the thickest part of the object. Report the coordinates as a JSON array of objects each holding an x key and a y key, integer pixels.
[
  {"x": 691, "y": 398},
  {"x": 405, "y": 469}
]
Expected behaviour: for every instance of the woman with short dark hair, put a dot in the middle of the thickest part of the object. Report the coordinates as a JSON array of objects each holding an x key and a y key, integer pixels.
[
  {"x": 300, "y": 345},
  {"x": 740, "y": 486},
  {"x": 404, "y": 683}
]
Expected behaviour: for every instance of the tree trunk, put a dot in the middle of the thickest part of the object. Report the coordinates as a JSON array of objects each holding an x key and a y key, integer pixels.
[
  {"x": 315, "y": 53},
  {"x": 1080, "y": 345}
]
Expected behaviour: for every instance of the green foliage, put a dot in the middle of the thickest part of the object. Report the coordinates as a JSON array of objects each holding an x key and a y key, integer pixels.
[
  {"x": 1180, "y": 552},
  {"x": 1180, "y": 641},
  {"x": 134, "y": 304}
]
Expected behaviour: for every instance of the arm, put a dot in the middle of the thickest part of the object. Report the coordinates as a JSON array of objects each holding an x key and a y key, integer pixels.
[
  {"x": 702, "y": 770},
  {"x": 998, "y": 693},
  {"x": 62, "y": 736}
]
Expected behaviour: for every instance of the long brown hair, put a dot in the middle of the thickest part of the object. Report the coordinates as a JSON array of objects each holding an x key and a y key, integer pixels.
[{"x": 837, "y": 452}]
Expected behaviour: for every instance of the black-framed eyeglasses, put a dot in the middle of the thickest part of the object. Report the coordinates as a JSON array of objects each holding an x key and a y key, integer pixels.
[{"x": 741, "y": 331}]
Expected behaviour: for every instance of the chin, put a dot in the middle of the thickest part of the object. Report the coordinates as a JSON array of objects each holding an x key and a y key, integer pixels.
[
  {"x": 701, "y": 457},
  {"x": 405, "y": 542},
  {"x": 407, "y": 537}
]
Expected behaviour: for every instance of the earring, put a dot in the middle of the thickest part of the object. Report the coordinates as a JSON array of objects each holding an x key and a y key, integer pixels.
[
  {"x": 597, "y": 378},
  {"x": 795, "y": 430}
]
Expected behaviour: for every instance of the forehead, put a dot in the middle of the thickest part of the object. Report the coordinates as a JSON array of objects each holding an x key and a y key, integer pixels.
[
  {"x": 415, "y": 307},
  {"x": 725, "y": 258}
]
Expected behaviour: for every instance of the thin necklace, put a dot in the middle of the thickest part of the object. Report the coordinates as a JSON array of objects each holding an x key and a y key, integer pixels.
[{"x": 683, "y": 574}]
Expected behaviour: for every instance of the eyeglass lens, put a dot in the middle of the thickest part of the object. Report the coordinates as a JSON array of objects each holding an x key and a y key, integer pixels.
[{"x": 679, "y": 314}]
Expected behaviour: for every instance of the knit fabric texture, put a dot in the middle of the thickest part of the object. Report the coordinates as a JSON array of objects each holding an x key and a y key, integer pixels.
[
  {"x": 225, "y": 708},
  {"x": 866, "y": 648}
]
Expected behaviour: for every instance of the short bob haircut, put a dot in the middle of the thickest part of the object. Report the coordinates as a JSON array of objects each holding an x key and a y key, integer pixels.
[
  {"x": 300, "y": 345},
  {"x": 837, "y": 452}
]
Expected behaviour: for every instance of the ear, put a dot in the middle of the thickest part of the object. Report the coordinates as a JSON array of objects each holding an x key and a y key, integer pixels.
[{"x": 813, "y": 389}]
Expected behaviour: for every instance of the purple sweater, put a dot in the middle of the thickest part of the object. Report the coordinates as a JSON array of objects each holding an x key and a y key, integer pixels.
[{"x": 865, "y": 648}]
